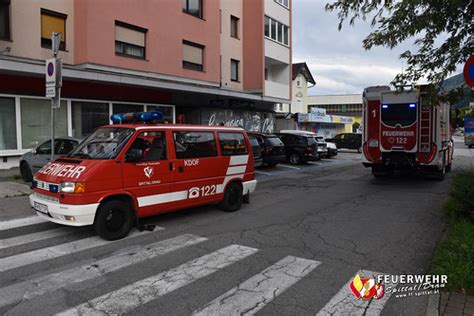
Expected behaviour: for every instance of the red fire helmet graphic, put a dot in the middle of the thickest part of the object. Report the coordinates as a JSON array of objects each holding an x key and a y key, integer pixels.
[{"x": 366, "y": 288}]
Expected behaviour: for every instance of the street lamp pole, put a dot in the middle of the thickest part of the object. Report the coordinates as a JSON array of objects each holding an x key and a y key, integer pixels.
[{"x": 55, "y": 101}]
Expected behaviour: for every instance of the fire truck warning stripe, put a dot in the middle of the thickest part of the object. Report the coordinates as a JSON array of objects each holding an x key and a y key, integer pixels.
[
  {"x": 129, "y": 297},
  {"x": 21, "y": 222},
  {"x": 32, "y": 288},
  {"x": 236, "y": 170},
  {"x": 162, "y": 198},
  {"x": 344, "y": 302},
  {"x": 238, "y": 160},
  {"x": 43, "y": 254},
  {"x": 253, "y": 294},
  {"x": 24, "y": 239}
]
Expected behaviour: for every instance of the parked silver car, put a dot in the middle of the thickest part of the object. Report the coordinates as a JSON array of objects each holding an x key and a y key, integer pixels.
[{"x": 35, "y": 159}]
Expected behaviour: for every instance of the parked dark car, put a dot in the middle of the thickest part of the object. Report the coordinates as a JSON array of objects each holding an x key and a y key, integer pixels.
[
  {"x": 347, "y": 140},
  {"x": 257, "y": 152},
  {"x": 273, "y": 149},
  {"x": 35, "y": 159},
  {"x": 300, "y": 146}
]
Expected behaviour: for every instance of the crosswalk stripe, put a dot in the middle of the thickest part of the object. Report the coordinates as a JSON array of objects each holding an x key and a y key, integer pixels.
[
  {"x": 35, "y": 256},
  {"x": 24, "y": 239},
  {"x": 35, "y": 287},
  {"x": 131, "y": 296},
  {"x": 20, "y": 222},
  {"x": 253, "y": 294},
  {"x": 344, "y": 302}
]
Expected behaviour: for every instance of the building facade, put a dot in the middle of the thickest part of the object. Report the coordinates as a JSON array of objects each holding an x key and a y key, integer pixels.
[
  {"x": 198, "y": 61},
  {"x": 343, "y": 104}
]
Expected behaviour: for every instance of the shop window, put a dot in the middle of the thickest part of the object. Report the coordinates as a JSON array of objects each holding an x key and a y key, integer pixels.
[
  {"x": 87, "y": 116},
  {"x": 194, "y": 144},
  {"x": 7, "y": 124},
  {"x": 127, "y": 108},
  {"x": 168, "y": 113},
  {"x": 234, "y": 26},
  {"x": 232, "y": 144},
  {"x": 5, "y": 19},
  {"x": 36, "y": 121},
  {"x": 129, "y": 40},
  {"x": 52, "y": 22},
  {"x": 193, "y": 7},
  {"x": 192, "y": 56},
  {"x": 234, "y": 70}
]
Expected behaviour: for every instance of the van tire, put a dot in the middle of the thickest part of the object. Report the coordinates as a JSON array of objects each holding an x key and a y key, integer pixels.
[
  {"x": 233, "y": 198},
  {"x": 114, "y": 220}
]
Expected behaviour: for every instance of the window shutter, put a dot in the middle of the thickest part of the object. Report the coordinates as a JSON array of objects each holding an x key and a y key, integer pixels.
[
  {"x": 50, "y": 24},
  {"x": 129, "y": 36},
  {"x": 192, "y": 54}
]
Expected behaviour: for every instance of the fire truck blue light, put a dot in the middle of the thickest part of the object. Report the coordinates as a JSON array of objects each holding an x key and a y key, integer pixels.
[
  {"x": 136, "y": 117},
  {"x": 412, "y": 105}
]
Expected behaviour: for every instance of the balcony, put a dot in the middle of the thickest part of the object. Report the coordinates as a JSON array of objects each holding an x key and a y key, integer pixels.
[
  {"x": 277, "y": 51},
  {"x": 277, "y": 90}
]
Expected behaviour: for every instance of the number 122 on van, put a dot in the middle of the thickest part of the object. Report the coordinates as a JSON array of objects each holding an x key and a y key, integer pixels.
[{"x": 206, "y": 190}]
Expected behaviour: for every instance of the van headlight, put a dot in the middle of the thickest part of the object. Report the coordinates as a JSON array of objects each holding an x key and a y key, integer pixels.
[{"x": 72, "y": 187}]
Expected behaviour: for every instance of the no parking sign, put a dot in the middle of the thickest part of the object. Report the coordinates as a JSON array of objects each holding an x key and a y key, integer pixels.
[{"x": 469, "y": 71}]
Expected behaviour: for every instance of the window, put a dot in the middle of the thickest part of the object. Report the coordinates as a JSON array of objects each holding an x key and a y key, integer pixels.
[
  {"x": 129, "y": 40},
  {"x": 7, "y": 124},
  {"x": 276, "y": 31},
  {"x": 45, "y": 148},
  {"x": 66, "y": 146},
  {"x": 399, "y": 114},
  {"x": 232, "y": 144},
  {"x": 234, "y": 26},
  {"x": 153, "y": 145},
  {"x": 127, "y": 108},
  {"x": 4, "y": 20},
  {"x": 52, "y": 22},
  {"x": 87, "y": 116},
  {"x": 234, "y": 70},
  {"x": 36, "y": 121},
  {"x": 192, "y": 56},
  {"x": 194, "y": 144},
  {"x": 193, "y": 7},
  {"x": 167, "y": 111},
  {"x": 283, "y": 2}
]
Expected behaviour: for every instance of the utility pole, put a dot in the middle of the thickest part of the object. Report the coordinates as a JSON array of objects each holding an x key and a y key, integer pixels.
[{"x": 54, "y": 82}]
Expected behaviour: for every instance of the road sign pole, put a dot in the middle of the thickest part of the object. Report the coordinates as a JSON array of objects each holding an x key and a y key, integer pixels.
[{"x": 56, "y": 99}]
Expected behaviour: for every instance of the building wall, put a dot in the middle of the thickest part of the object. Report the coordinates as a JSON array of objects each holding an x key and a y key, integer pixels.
[
  {"x": 231, "y": 48},
  {"x": 25, "y": 28},
  {"x": 167, "y": 26},
  {"x": 253, "y": 69}
]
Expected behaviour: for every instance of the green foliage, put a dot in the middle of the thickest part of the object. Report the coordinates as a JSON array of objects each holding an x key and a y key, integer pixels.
[
  {"x": 442, "y": 30},
  {"x": 463, "y": 193},
  {"x": 355, "y": 126}
]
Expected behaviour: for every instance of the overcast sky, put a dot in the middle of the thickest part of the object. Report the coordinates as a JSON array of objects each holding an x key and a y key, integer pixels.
[{"x": 336, "y": 59}]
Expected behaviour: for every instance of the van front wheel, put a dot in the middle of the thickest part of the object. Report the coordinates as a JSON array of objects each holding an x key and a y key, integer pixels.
[
  {"x": 114, "y": 220},
  {"x": 232, "y": 198}
]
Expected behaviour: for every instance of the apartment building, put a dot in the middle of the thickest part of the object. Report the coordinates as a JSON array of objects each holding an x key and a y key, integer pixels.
[{"x": 197, "y": 61}]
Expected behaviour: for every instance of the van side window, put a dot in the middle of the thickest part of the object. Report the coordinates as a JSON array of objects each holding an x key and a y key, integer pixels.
[
  {"x": 152, "y": 145},
  {"x": 232, "y": 144},
  {"x": 194, "y": 144}
]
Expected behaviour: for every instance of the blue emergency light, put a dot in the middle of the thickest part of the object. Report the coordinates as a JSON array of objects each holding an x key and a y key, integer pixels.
[
  {"x": 385, "y": 106},
  {"x": 135, "y": 117},
  {"x": 412, "y": 105}
]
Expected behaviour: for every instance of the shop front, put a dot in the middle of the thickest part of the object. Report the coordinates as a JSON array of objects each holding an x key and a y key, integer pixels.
[{"x": 318, "y": 121}]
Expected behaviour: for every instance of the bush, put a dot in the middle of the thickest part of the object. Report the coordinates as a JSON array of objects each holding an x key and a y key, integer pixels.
[{"x": 462, "y": 194}]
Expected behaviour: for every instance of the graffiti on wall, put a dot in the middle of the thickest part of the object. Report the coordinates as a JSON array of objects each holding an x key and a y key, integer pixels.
[{"x": 250, "y": 120}]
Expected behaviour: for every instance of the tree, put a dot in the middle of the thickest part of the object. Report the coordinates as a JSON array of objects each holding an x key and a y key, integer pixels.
[{"x": 443, "y": 29}]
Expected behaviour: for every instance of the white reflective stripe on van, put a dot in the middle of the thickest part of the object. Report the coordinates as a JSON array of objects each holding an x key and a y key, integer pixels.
[
  {"x": 238, "y": 160},
  {"x": 236, "y": 170},
  {"x": 162, "y": 198}
]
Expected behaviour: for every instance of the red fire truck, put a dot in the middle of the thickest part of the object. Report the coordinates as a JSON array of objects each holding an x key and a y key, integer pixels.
[
  {"x": 131, "y": 170},
  {"x": 403, "y": 131}
]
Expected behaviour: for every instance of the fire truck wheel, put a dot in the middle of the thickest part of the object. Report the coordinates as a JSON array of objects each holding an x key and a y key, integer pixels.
[
  {"x": 25, "y": 172},
  {"x": 232, "y": 198},
  {"x": 114, "y": 220},
  {"x": 295, "y": 159}
]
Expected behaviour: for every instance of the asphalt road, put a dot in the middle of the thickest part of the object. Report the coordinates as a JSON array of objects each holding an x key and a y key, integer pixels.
[{"x": 291, "y": 251}]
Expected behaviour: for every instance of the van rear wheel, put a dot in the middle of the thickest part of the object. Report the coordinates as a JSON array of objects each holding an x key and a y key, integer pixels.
[
  {"x": 232, "y": 198},
  {"x": 114, "y": 220}
]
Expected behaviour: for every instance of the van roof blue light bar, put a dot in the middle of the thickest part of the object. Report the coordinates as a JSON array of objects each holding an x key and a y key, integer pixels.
[{"x": 134, "y": 117}]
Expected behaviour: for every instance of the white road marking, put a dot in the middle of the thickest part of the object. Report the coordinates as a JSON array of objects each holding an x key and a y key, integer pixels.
[
  {"x": 43, "y": 254},
  {"x": 24, "y": 239},
  {"x": 32, "y": 288},
  {"x": 265, "y": 173},
  {"x": 131, "y": 296},
  {"x": 291, "y": 167},
  {"x": 314, "y": 163},
  {"x": 345, "y": 302},
  {"x": 20, "y": 222},
  {"x": 252, "y": 295}
]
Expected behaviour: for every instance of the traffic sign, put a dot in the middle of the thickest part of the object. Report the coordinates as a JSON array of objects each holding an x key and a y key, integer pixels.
[
  {"x": 51, "y": 90},
  {"x": 51, "y": 71},
  {"x": 469, "y": 71}
]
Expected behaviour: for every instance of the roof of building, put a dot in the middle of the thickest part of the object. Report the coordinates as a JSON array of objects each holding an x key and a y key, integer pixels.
[{"x": 302, "y": 68}]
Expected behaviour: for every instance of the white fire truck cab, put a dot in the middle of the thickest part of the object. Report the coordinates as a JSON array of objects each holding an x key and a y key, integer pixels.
[
  {"x": 402, "y": 130},
  {"x": 131, "y": 170}
]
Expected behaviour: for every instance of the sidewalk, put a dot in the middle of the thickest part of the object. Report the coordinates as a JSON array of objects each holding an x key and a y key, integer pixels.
[
  {"x": 11, "y": 184},
  {"x": 454, "y": 303}
]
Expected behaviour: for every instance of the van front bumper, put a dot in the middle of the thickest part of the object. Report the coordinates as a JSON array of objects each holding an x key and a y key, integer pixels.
[{"x": 65, "y": 214}]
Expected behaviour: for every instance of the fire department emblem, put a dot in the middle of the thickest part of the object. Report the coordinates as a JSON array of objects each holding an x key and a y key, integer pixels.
[
  {"x": 366, "y": 288},
  {"x": 148, "y": 172}
]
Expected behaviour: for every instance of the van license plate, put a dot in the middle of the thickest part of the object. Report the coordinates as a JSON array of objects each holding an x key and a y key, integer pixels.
[{"x": 41, "y": 208}]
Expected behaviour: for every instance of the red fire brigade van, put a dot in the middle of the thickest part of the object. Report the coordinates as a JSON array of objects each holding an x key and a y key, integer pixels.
[
  {"x": 127, "y": 171},
  {"x": 402, "y": 130}
]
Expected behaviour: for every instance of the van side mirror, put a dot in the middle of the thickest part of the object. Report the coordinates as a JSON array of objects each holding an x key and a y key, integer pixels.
[{"x": 134, "y": 155}]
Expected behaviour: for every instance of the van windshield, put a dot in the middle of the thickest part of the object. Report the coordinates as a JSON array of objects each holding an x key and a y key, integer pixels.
[
  {"x": 399, "y": 114},
  {"x": 104, "y": 143}
]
